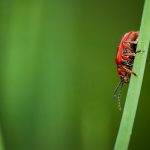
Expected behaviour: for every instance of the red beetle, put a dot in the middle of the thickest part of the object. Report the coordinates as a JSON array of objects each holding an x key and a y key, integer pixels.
[{"x": 124, "y": 59}]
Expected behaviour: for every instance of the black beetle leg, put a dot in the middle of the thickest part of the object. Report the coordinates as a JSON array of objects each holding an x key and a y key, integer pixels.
[{"x": 124, "y": 62}]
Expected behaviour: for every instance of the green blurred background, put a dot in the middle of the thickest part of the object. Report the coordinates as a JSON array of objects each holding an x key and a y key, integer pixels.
[{"x": 57, "y": 74}]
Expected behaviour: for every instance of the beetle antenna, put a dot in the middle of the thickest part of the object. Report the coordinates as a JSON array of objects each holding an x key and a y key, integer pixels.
[
  {"x": 119, "y": 96},
  {"x": 117, "y": 93},
  {"x": 116, "y": 90}
]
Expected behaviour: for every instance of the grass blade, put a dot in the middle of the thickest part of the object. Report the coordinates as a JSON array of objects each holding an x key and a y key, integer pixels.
[{"x": 134, "y": 89}]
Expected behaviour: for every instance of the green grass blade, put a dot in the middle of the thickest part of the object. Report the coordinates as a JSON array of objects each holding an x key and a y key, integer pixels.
[{"x": 134, "y": 89}]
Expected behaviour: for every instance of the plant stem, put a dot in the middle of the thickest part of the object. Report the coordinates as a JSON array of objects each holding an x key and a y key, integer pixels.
[{"x": 134, "y": 89}]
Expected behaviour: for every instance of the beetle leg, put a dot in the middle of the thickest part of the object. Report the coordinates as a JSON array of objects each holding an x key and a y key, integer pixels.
[
  {"x": 132, "y": 42},
  {"x": 133, "y": 54},
  {"x": 139, "y": 51},
  {"x": 125, "y": 57},
  {"x": 130, "y": 54},
  {"x": 127, "y": 46},
  {"x": 124, "y": 62},
  {"x": 129, "y": 71}
]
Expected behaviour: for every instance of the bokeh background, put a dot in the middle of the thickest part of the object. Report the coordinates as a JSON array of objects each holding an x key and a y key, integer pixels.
[{"x": 57, "y": 74}]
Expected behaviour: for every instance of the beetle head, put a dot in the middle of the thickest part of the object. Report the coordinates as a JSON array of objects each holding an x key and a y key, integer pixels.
[{"x": 124, "y": 78}]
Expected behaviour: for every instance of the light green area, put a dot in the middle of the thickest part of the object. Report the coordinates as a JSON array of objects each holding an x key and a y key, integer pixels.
[{"x": 135, "y": 85}]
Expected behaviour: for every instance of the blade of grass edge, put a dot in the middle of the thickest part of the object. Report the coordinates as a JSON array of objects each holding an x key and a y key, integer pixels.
[{"x": 134, "y": 89}]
